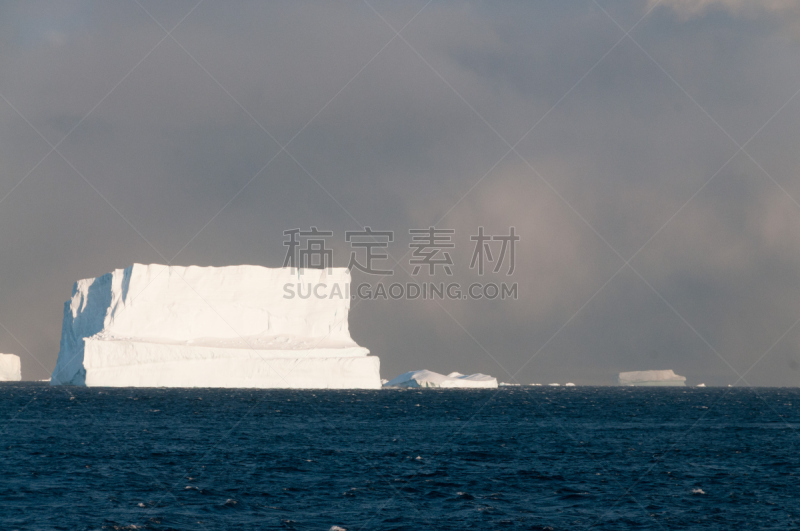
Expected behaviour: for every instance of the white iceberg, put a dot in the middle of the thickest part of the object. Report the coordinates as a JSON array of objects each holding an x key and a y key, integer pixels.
[
  {"x": 10, "y": 368},
  {"x": 235, "y": 326},
  {"x": 651, "y": 378},
  {"x": 426, "y": 378}
]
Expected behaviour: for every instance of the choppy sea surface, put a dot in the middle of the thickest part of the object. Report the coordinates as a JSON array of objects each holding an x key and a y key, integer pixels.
[{"x": 513, "y": 458}]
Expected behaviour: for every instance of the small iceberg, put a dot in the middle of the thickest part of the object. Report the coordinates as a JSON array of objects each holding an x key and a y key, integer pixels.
[
  {"x": 10, "y": 368},
  {"x": 506, "y": 384},
  {"x": 569, "y": 384},
  {"x": 554, "y": 385},
  {"x": 701, "y": 385},
  {"x": 652, "y": 378},
  {"x": 427, "y": 378}
]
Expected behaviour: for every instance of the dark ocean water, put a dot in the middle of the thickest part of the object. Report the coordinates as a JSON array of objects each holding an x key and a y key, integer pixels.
[{"x": 519, "y": 458}]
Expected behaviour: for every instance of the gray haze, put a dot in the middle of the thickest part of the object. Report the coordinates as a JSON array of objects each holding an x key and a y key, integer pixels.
[{"x": 634, "y": 150}]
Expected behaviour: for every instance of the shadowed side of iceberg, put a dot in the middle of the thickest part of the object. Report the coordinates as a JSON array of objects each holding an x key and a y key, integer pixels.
[{"x": 84, "y": 316}]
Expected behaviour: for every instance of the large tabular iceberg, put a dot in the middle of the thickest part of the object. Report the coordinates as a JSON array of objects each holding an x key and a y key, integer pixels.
[
  {"x": 651, "y": 378},
  {"x": 434, "y": 379},
  {"x": 235, "y": 326},
  {"x": 10, "y": 368}
]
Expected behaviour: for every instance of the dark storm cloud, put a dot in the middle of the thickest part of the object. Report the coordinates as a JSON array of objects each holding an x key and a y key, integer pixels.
[{"x": 182, "y": 146}]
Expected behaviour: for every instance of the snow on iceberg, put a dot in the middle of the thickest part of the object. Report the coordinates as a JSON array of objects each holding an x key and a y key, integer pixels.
[
  {"x": 427, "y": 378},
  {"x": 235, "y": 326},
  {"x": 10, "y": 368},
  {"x": 651, "y": 378}
]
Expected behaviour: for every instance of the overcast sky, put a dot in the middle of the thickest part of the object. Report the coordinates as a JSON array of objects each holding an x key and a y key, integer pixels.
[{"x": 645, "y": 152}]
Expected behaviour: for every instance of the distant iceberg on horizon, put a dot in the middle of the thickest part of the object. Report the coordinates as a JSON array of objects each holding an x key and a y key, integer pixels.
[
  {"x": 656, "y": 378},
  {"x": 234, "y": 326},
  {"x": 454, "y": 380},
  {"x": 10, "y": 368}
]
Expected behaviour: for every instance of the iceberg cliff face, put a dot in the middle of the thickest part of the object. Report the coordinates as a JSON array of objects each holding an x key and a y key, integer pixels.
[
  {"x": 235, "y": 326},
  {"x": 651, "y": 378},
  {"x": 427, "y": 378},
  {"x": 10, "y": 368}
]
